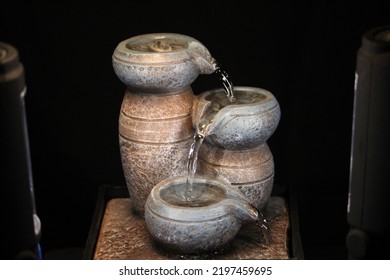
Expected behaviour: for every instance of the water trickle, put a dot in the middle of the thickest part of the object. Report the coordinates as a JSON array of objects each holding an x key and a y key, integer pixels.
[
  {"x": 191, "y": 165},
  {"x": 226, "y": 82},
  {"x": 217, "y": 102},
  {"x": 264, "y": 228},
  {"x": 203, "y": 128}
]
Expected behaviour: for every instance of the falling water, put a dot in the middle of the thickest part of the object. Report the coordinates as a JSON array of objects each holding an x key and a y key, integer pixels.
[
  {"x": 191, "y": 165},
  {"x": 264, "y": 228},
  {"x": 217, "y": 103},
  {"x": 226, "y": 82},
  {"x": 202, "y": 130}
]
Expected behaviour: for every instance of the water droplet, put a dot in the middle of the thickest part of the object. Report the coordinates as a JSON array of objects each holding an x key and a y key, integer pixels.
[{"x": 226, "y": 82}]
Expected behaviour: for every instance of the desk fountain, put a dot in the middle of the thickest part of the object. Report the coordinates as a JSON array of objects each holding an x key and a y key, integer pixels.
[{"x": 189, "y": 206}]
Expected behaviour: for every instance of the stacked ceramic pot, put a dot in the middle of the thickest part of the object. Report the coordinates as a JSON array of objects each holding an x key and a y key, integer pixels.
[
  {"x": 235, "y": 147},
  {"x": 155, "y": 128}
]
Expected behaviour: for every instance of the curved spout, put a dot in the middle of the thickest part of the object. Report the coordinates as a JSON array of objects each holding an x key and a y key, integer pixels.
[
  {"x": 243, "y": 209},
  {"x": 202, "y": 58},
  {"x": 208, "y": 113}
]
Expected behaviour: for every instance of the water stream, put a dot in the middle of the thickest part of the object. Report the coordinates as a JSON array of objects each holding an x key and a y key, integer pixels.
[
  {"x": 203, "y": 128},
  {"x": 217, "y": 103},
  {"x": 226, "y": 82},
  {"x": 262, "y": 224}
]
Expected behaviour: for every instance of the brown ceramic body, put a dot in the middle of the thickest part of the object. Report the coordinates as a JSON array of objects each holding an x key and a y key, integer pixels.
[
  {"x": 235, "y": 146},
  {"x": 155, "y": 135},
  {"x": 155, "y": 131},
  {"x": 251, "y": 171}
]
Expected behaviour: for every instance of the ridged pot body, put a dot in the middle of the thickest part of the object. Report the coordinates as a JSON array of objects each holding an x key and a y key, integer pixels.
[
  {"x": 235, "y": 145},
  {"x": 155, "y": 135},
  {"x": 155, "y": 130},
  {"x": 251, "y": 171}
]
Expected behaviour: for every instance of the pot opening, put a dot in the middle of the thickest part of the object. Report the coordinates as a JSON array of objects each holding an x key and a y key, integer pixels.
[
  {"x": 242, "y": 97},
  {"x": 204, "y": 194}
]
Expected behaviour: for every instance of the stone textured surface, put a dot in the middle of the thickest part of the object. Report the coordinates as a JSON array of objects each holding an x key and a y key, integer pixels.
[
  {"x": 252, "y": 171},
  {"x": 155, "y": 135},
  {"x": 239, "y": 126},
  {"x": 161, "y": 63},
  {"x": 145, "y": 165},
  {"x": 158, "y": 107},
  {"x": 193, "y": 229},
  {"x": 124, "y": 236}
]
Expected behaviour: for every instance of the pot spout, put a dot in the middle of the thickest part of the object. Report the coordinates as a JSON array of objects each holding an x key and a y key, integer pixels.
[
  {"x": 242, "y": 208},
  {"x": 246, "y": 212},
  {"x": 202, "y": 58}
]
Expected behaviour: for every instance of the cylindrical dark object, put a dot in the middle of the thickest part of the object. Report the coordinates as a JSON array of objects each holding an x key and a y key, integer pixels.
[
  {"x": 17, "y": 208},
  {"x": 369, "y": 190}
]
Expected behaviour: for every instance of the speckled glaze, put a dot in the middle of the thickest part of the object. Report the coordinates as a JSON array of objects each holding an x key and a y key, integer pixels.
[
  {"x": 235, "y": 146},
  {"x": 251, "y": 171},
  {"x": 161, "y": 62},
  {"x": 155, "y": 131},
  {"x": 242, "y": 126},
  {"x": 197, "y": 229},
  {"x": 154, "y": 138}
]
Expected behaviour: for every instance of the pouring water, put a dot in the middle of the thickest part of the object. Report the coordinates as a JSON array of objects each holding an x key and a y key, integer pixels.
[{"x": 202, "y": 130}]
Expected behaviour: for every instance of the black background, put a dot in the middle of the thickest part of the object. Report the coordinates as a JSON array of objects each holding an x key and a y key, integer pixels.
[{"x": 304, "y": 53}]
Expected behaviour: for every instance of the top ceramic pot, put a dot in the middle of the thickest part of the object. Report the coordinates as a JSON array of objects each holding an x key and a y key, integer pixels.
[{"x": 161, "y": 62}]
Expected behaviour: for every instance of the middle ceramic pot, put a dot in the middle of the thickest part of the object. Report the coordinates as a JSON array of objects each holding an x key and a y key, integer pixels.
[
  {"x": 235, "y": 142},
  {"x": 242, "y": 125}
]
